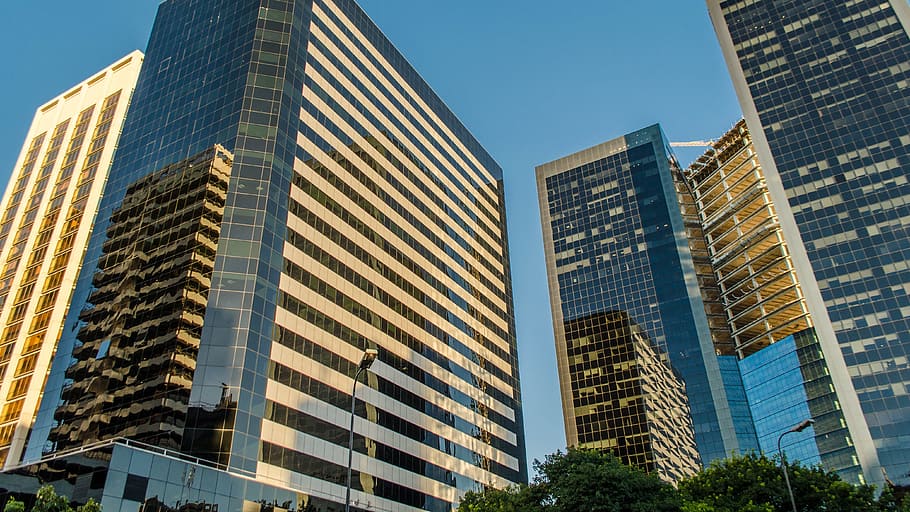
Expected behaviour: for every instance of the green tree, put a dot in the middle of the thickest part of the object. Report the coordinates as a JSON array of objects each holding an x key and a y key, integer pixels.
[
  {"x": 755, "y": 483},
  {"x": 513, "y": 499},
  {"x": 47, "y": 500},
  {"x": 592, "y": 481},
  {"x": 14, "y": 505},
  {"x": 90, "y": 506},
  {"x": 579, "y": 480}
]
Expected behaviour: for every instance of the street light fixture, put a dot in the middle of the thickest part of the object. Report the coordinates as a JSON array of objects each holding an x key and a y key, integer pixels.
[
  {"x": 369, "y": 356},
  {"x": 803, "y": 425}
]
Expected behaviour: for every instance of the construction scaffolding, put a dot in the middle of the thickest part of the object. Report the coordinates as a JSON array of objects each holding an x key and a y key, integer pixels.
[{"x": 750, "y": 259}]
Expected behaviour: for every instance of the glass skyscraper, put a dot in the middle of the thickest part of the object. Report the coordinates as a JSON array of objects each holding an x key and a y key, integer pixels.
[
  {"x": 616, "y": 242},
  {"x": 359, "y": 213},
  {"x": 823, "y": 86},
  {"x": 789, "y": 380},
  {"x": 783, "y": 365}
]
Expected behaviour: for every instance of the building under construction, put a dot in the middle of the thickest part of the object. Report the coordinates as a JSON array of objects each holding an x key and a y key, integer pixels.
[
  {"x": 748, "y": 253},
  {"x": 756, "y": 307}
]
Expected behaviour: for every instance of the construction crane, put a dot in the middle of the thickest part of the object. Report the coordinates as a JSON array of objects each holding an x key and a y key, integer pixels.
[{"x": 692, "y": 144}]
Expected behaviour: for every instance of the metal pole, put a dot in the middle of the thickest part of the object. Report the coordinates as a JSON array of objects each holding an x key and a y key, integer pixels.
[
  {"x": 803, "y": 425},
  {"x": 783, "y": 464},
  {"x": 347, "y": 497}
]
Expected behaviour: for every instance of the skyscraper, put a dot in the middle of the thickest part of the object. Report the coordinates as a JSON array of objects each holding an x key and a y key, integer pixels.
[
  {"x": 784, "y": 367},
  {"x": 48, "y": 210},
  {"x": 616, "y": 243},
  {"x": 823, "y": 87},
  {"x": 359, "y": 213}
]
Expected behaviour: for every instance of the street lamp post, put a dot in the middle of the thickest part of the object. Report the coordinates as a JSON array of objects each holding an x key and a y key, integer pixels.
[
  {"x": 803, "y": 425},
  {"x": 369, "y": 355}
]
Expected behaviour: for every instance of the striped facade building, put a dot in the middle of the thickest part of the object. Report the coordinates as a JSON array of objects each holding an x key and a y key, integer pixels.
[
  {"x": 359, "y": 213},
  {"x": 47, "y": 215}
]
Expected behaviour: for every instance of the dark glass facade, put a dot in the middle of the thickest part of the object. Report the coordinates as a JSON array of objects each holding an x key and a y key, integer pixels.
[
  {"x": 615, "y": 240},
  {"x": 138, "y": 339},
  {"x": 627, "y": 399},
  {"x": 359, "y": 214},
  {"x": 826, "y": 85}
]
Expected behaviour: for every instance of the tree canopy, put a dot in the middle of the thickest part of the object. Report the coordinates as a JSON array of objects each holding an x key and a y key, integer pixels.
[
  {"x": 590, "y": 481},
  {"x": 755, "y": 483},
  {"x": 47, "y": 500},
  {"x": 579, "y": 480}
]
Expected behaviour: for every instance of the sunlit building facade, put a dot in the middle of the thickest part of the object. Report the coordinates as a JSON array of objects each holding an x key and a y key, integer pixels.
[
  {"x": 629, "y": 402},
  {"x": 823, "y": 87},
  {"x": 359, "y": 213},
  {"x": 615, "y": 242},
  {"x": 47, "y": 214},
  {"x": 772, "y": 342}
]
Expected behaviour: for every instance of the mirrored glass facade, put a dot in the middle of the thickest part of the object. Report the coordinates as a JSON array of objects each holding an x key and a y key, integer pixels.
[
  {"x": 133, "y": 477},
  {"x": 359, "y": 214},
  {"x": 615, "y": 241},
  {"x": 628, "y": 400},
  {"x": 138, "y": 336},
  {"x": 824, "y": 87}
]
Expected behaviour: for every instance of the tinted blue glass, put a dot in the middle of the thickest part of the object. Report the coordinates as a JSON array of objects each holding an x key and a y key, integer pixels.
[{"x": 774, "y": 385}]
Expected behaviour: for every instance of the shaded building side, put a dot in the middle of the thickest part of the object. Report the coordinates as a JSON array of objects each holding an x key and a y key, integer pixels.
[{"x": 139, "y": 334}]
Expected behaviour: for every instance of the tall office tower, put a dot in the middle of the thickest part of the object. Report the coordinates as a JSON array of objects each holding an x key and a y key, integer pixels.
[
  {"x": 784, "y": 368},
  {"x": 615, "y": 241},
  {"x": 360, "y": 213},
  {"x": 48, "y": 211},
  {"x": 823, "y": 87}
]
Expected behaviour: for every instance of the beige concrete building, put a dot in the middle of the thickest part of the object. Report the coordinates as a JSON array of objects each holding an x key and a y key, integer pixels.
[{"x": 47, "y": 215}]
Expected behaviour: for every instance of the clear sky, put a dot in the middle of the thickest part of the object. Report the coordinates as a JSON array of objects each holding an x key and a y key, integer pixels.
[{"x": 534, "y": 80}]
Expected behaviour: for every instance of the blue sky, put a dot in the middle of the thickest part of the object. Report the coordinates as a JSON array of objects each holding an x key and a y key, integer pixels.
[{"x": 534, "y": 80}]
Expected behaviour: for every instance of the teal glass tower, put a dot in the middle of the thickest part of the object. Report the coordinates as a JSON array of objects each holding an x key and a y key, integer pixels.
[
  {"x": 823, "y": 87},
  {"x": 616, "y": 246},
  {"x": 358, "y": 213}
]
